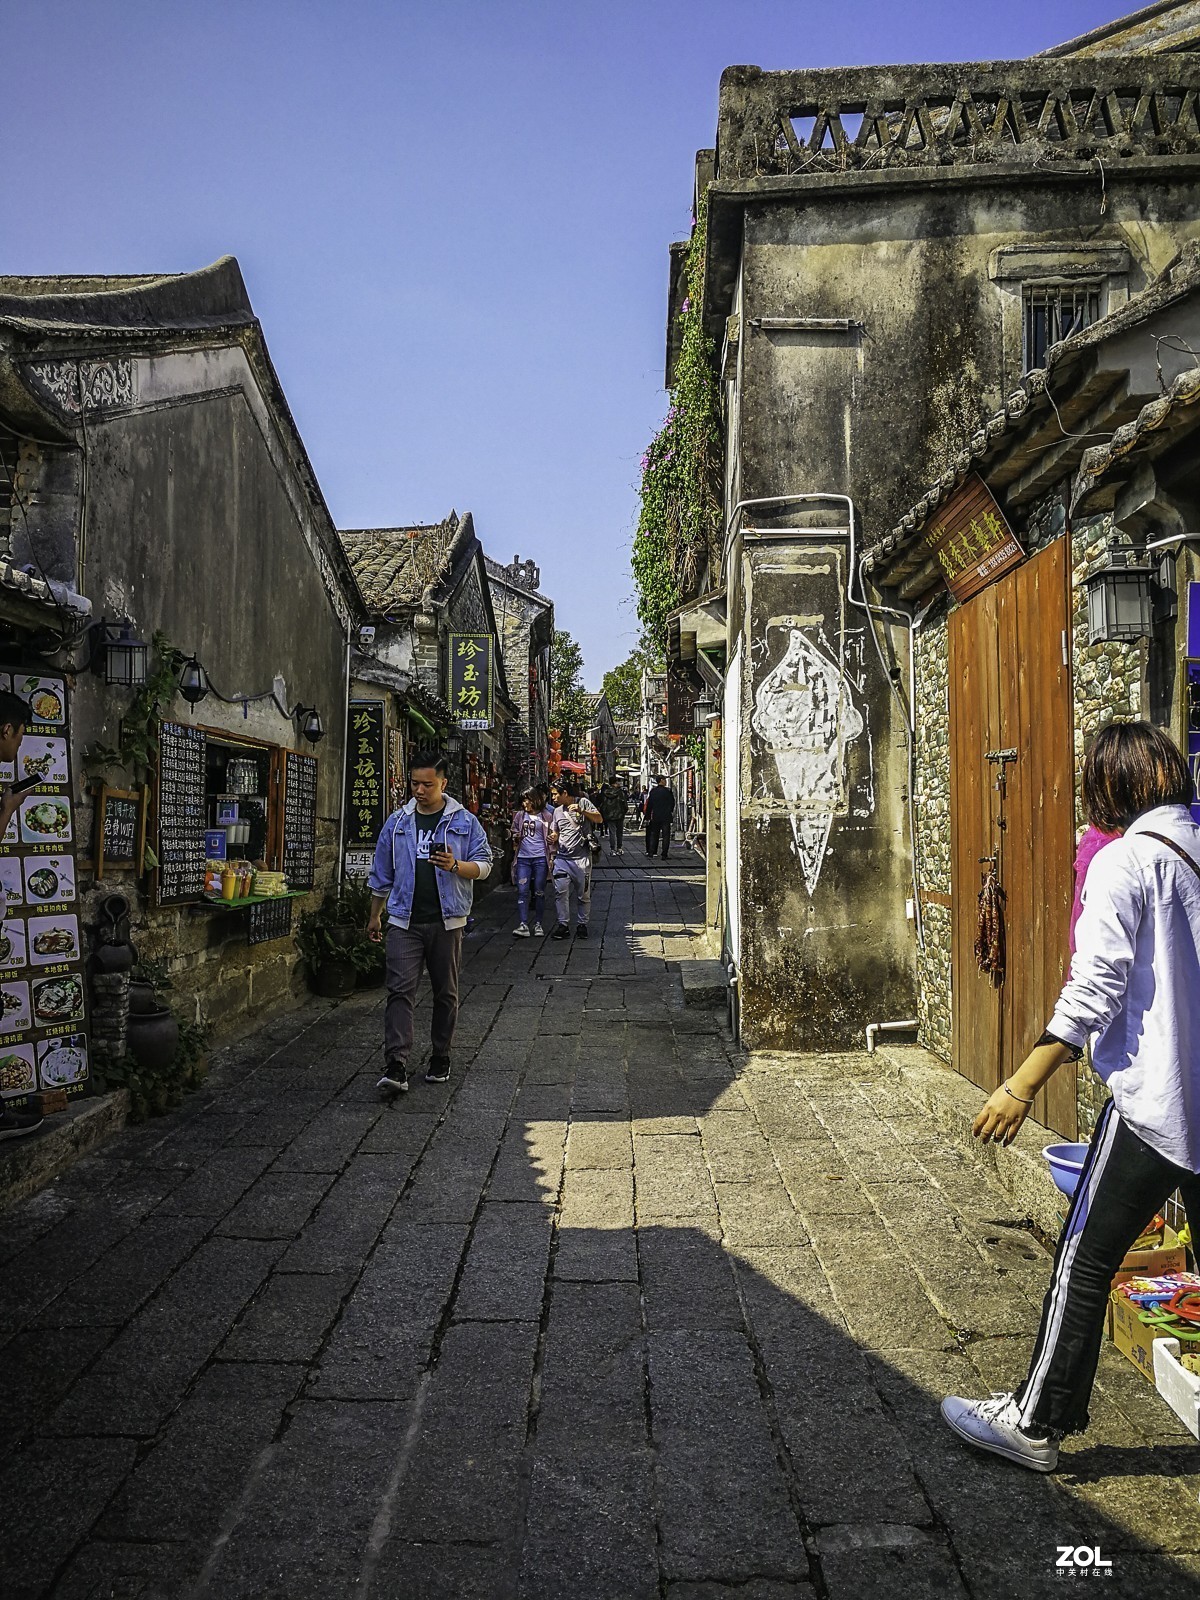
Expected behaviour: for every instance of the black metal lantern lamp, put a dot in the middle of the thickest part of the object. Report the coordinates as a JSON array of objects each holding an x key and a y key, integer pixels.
[
  {"x": 310, "y": 722},
  {"x": 193, "y": 681},
  {"x": 124, "y": 656},
  {"x": 1120, "y": 600}
]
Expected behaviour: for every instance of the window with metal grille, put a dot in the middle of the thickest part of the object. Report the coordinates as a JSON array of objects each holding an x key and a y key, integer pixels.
[{"x": 1054, "y": 311}]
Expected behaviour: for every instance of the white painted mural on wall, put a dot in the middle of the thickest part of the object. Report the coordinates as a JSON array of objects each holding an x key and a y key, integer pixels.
[{"x": 804, "y": 712}]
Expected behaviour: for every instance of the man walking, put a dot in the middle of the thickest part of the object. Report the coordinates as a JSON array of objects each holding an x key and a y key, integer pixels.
[
  {"x": 572, "y": 865},
  {"x": 660, "y": 808},
  {"x": 613, "y": 804},
  {"x": 429, "y": 854}
]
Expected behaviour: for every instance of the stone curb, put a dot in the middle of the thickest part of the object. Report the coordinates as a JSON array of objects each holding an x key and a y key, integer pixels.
[
  {"x": 27, "y": 1165},
  {"x": 704, "y": 983},
  {"x": 954, "y": 1103}
]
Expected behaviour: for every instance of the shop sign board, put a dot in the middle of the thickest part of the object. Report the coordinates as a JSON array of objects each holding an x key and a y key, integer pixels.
[
  {"x": 971, "y": 540},
  {"x": 43, "y": 992},
  {"x": 366, "y": 778},
  {"x": 472, "y": 679},
  {"x": 120, "y": 829}
]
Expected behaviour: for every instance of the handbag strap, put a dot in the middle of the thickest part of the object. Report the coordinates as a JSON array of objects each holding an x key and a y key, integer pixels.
[{"x": 1171, "y": 845}]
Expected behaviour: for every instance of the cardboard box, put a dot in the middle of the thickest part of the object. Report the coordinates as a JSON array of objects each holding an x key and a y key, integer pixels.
[
  {"x": 1178, "y": 1387},
  {"x": 1132, "y": 1337},
  {"x": 1171, "y": 1257},
  {"x": 48, "y": 1101}
]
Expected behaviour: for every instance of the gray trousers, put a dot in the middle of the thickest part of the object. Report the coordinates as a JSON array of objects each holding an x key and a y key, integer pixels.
[
  {"x": 568, "y": 871},
  {"x": 423, "y": 944}
]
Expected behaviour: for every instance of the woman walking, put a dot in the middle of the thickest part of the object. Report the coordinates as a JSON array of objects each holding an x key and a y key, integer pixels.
[
  {"x": 531, "y": 863},
  {"x": 1134, "y": 989}
]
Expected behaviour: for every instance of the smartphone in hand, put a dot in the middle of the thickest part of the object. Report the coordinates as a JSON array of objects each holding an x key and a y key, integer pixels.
[{"x": 26, "y": 784}]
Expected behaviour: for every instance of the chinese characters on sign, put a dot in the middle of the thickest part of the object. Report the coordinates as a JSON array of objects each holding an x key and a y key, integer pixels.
[
  {"x": 299, "y": 821},
  {"x": 181, "y": 808},
  {"x": 972, "y": 542},
  {"x": 471, "y": 679},
  {"x": 365, "y": 778}
]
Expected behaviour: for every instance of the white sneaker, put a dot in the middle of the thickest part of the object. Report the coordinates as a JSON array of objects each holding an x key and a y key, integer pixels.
[
  {"x": 521, "y": 931},
  {"x": 995, "y": 1425},
  {"x": 539, "y": 930}
]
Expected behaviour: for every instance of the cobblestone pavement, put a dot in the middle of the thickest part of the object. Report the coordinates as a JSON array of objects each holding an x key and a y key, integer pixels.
[{"x": 616, "y": 1313}]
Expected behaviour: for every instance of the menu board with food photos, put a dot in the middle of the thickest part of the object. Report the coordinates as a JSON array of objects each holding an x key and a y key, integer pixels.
[
  {"x": 43, "y": 995},
  {"x": 182, "y": 812},
  {"x": 299, "y": 819}
]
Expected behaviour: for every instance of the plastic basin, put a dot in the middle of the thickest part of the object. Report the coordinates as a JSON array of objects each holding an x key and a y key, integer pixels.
[{"x": 1066, "y": 1163}]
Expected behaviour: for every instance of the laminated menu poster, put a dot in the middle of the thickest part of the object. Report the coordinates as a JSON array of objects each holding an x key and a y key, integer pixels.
[
  {"x": 182, "y": 812},
  {"x": 299, "y": 820},
  {"x": 43, "y": 991}
]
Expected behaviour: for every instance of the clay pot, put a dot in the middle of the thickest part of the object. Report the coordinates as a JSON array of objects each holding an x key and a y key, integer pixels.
[
  {"x": 373, "y": 978},
  {"x": 333, "y": 980},
  {"x": 153, "y": 1039},
  {"x": 113, "y": 957},
  {"x": 142, "y": 999}
]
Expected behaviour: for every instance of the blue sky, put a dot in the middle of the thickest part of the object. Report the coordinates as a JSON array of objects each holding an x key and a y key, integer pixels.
[{"x": 453, "y": 218}]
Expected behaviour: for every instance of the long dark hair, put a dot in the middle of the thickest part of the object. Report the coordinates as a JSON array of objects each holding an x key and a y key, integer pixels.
[{"x": 1132, "y": 767}]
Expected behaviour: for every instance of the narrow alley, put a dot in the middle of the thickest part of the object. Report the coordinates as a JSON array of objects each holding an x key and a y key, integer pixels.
[{"x": 619, "y": 1312}]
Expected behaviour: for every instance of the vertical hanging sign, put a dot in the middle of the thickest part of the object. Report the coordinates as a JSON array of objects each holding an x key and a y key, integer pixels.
[
  {"x": 472, "y": 679},
  {"x": 366, "y": 786}
]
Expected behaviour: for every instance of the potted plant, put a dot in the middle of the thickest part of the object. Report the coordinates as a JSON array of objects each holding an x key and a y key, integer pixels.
[
  {"x": 330, "y": 942},
  {"x": 370, "y": 958}
]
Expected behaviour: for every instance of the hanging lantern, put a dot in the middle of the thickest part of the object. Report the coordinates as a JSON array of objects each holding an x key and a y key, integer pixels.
[
  {"x": 1119, "y": 598},
  {"x": 310, "y": 722},
  {"x": 193, "y": 681},
  {"x": 125, "y": 656}
]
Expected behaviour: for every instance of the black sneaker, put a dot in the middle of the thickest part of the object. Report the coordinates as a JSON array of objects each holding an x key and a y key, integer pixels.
[
  {"x": 394, "y": 1080},
  {"x": 16, "y": 1124},
  {"x": 561, "y": 932},
  {"x": 439, "y": 1070},
  {"x": 581, "y": 931}
]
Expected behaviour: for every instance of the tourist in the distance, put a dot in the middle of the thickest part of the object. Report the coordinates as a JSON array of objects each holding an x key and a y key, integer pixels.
[
  {"x": 613, "y": 805},
  {"x": 571, "y": 866},
  {"x": 430, "y": 854},
  {"x": 660, "y": 808},
  {"x": 1134, "y": 990},
  {"x": 531, "y": 846}
]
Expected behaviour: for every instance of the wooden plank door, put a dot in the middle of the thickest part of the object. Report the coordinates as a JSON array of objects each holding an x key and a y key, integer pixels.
[{"x": 1010, "y": 690}]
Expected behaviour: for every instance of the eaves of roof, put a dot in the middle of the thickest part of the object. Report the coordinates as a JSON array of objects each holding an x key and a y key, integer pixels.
[
  {"x": 1156, "y": 426},
  {"x": 1033, "y": 398}
]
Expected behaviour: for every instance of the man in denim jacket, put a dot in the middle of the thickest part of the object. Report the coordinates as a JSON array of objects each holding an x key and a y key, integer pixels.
[{"x": 429, "y": 854}]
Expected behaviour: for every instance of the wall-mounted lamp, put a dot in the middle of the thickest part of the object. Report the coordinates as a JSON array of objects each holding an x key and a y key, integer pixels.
[
  {"x": 125, "y": 656},
  {"x": 193, "y": 681},
  {"x": 455, "y": 743},
  {"x": 1119, "y": 601},
  {"x": 310, "y": 722}
]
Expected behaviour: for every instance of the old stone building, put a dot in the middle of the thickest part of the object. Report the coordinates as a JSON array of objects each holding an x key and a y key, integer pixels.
[
  {"x": 525, "y": 624},
  {"x": 151, "y": 464},
  {"x": 1092, "y": 463},
  {"x": 886, "y": 251},
  {"x": 424, "y": 591}
]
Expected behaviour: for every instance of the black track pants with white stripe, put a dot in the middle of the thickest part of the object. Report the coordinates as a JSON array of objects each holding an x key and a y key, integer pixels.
[{"x": 1123, "y": 1183}]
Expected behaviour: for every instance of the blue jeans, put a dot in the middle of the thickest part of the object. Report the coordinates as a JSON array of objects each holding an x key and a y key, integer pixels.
[{"x": 531, "y": 868}]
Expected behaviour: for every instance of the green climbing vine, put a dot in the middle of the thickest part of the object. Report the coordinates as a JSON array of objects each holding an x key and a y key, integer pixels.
[
  {"x": 138, "y": 744},
  {"x": 679, "y": 527}
]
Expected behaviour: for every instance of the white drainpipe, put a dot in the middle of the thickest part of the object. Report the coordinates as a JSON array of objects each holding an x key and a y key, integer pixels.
[{"x": 874, "y": 1028}]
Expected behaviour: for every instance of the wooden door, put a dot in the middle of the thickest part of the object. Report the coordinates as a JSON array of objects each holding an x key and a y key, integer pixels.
[{"x": 1010, "y": 701}]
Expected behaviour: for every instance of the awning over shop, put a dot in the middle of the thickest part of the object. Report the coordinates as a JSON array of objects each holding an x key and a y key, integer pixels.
[{"x": 574, "y": 766}]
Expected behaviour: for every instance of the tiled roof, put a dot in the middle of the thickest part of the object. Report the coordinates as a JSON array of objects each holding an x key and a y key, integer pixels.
[
  {"x": 55, "y": 596},
  {"x": 393, "y": 567},
  {"x": 1182, "y": 280},
  {"x": 1161, "y": 416}
]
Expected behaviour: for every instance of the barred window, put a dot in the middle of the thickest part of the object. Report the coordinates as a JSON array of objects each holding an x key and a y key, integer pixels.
[{"x": 1055, "y": 311}]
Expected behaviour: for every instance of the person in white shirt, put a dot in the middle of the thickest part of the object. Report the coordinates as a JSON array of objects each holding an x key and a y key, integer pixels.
[{"x": 1134, "y": 991}]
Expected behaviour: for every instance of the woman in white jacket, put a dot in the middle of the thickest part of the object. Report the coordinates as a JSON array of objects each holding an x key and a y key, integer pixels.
[{"x": 1134, "y": 990}]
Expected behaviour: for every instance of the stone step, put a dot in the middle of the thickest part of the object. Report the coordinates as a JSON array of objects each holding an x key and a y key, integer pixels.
[{"x": 704, "y": 983}]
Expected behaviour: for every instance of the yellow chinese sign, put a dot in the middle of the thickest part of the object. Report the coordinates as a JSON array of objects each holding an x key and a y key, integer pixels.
[
  {"x": 471, "y": 679},
  {"x": 971, "y": 540},
  {"x": 365, "y": 777}
]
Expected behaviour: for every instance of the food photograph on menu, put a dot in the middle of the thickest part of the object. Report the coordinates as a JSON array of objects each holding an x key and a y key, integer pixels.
[
  {"x": 14, "y": 1008},
  {"x": 18, "y": 1068},
  {"x": 57, "y": 1000},
  {"x": 44, "y": 759},
  {"x": 12, "y": 944},
  {"x": 49, "y": 879},
  {"x": 63, "y": 1061},
  {"x": 11, "y": 891},
  {"x": 46, "y": 696},
  {"x": 53, "y": 940},
  {"x": 45, "y": 819}
]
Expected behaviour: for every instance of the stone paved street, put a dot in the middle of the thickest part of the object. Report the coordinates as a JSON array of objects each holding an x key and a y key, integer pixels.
[{"x": 616, "y": 1313}]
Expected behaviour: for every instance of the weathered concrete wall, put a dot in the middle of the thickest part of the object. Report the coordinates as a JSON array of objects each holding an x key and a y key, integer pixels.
[
  {"x": 821, "y": 824},
  {"x": 877, "y": 410},
  {"x": 193, "y": 529}
]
